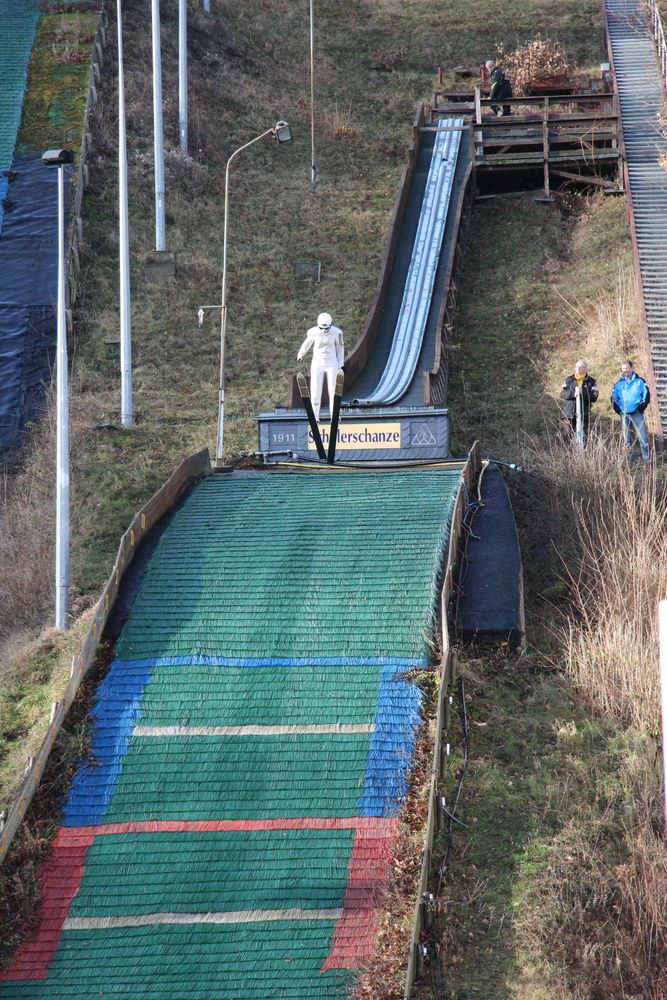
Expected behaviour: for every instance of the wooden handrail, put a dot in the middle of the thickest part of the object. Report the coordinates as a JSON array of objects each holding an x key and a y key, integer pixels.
[
  {"x": 533, "y": 98},
  {"x": 434, "y": 377}
]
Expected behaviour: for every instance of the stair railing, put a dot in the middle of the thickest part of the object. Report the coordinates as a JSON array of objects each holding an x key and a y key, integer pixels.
[{"x": 659, "y": 36}]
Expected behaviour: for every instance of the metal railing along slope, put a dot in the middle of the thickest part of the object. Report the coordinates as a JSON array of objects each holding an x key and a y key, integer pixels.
[{"x": 630, "y": 29}]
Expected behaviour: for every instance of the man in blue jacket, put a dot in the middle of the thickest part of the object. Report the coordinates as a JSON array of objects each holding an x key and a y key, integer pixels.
[{"x": 630, "y": 397}]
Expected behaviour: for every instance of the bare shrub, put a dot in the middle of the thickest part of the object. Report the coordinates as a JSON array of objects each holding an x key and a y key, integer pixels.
[
  {"x": 340, "y": 126},
  {"x": 27, "y": 542},
  {"x": 27, "y": 523},
  {"x": 390, "y": 59},
  {"x": 535, "y": 61}
]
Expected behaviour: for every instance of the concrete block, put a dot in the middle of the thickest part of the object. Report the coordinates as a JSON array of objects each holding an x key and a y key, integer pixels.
[{"x": 159, "y": 266}]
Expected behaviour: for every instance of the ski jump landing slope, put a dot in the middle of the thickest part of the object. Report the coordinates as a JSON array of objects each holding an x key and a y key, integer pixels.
[{"x": 251, "y": 746}]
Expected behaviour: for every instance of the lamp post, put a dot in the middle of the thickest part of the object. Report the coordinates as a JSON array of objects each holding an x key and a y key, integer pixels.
[
  {"x": 126, "y": 416},
  {"x": 183, "y": 75},
  {"x": 282, "y": 133},
  {"x": 158, "y": 141},
  {"x": 59, "y": 157},
  {"x": 313, "y": 168}
]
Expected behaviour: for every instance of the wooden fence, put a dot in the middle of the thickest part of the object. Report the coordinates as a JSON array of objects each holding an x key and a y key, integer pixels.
[
  {"x": 469, "y": 477},
  {"x": 188, "y": 472},
  {"x": 437, "y": 379}
]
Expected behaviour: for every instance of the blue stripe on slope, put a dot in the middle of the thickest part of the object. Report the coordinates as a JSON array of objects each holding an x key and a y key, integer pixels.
[
  {"x": 392, "y": 746},
  {"x": 199, "y": 659},
  {"x": 118, "y": 708},
  {"x": 116, "y": 712},
  {"x": 4, "y": 187}
]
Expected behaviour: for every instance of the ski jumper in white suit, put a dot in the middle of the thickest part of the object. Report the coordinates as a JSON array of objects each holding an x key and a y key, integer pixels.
[{"x": 328, "y": 352}]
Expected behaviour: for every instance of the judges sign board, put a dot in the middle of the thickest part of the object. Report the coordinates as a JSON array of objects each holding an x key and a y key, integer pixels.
[{"x": 393, "y": 434}]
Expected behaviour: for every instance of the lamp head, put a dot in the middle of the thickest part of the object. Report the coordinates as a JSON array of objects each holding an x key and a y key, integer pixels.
[
  {"x": 282, "y": 132},
  {"x": 56, "y": 157}
]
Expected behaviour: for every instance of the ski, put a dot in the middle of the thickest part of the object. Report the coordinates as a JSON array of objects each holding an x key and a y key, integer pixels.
[
  {"x": 305, "y": 396},
  {"x": 579, "y": 425},
  {"x": 335, "y": 415}
]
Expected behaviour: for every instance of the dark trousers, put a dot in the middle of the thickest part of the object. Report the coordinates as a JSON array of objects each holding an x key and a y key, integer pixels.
[{"x": 569, "y": 428}]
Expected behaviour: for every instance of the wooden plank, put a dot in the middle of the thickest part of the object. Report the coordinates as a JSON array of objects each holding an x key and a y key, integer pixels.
[
  {"x": 584, "y": 178},
  {"x": 516, "y": 159},
  {"x": 522, "y": 121}
]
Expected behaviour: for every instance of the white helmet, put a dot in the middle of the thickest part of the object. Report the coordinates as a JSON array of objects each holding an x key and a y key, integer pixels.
[{"x": 324, "y": 321}]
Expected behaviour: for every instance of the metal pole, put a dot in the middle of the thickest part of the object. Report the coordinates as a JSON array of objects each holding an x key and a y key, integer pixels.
[
  {"x": 313, "y": 168},
  {"x": 124, "y": 243},
  {"x": 160, "y": 238},
  {"x": 579, "y": 430},
  {"x": 219, "y": 449},
  {"x": 62, "y": 426},
  {"x": 662, "y": 635},
  {"x": 183, "y": 74}
]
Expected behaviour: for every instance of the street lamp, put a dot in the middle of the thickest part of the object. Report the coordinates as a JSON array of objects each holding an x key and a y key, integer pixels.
[
  {"x": 282, "y": 133},
  {"x": 52, "y": 158}
]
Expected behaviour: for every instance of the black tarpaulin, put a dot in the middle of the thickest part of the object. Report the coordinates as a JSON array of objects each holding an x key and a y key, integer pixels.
[{"x": 28, "y": 292}]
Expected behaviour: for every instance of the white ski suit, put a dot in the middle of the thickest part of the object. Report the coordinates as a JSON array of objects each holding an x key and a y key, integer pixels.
[{"x": 328, "y": 354}]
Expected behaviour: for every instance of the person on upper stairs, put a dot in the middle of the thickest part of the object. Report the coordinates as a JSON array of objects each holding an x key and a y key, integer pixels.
[
  {"x": 629, "y": 398},
  {"x": 579, "y": 384},
  {"x": 501, "y": 87},
  {"x": 326, "y": 342}
]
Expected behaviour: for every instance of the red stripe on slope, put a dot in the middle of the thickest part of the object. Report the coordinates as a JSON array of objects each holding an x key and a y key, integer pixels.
[
  {"x": 355, "y": 937},
  {"x": 84, "y": 834},
  {"x": 59, "y": 879}
]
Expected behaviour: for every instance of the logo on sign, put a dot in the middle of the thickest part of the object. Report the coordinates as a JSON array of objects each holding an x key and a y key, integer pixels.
[
  {"x": 423, "y": 437},
  {"x": 353, "y": 437}
]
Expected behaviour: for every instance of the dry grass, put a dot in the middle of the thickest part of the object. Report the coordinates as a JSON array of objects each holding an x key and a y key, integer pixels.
[
  {"x": 597, "y": 916},
  {"x": 610, "y": 324},
  {"x": 601, "y": 896},
  {"x": 613, "y": 549}
]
